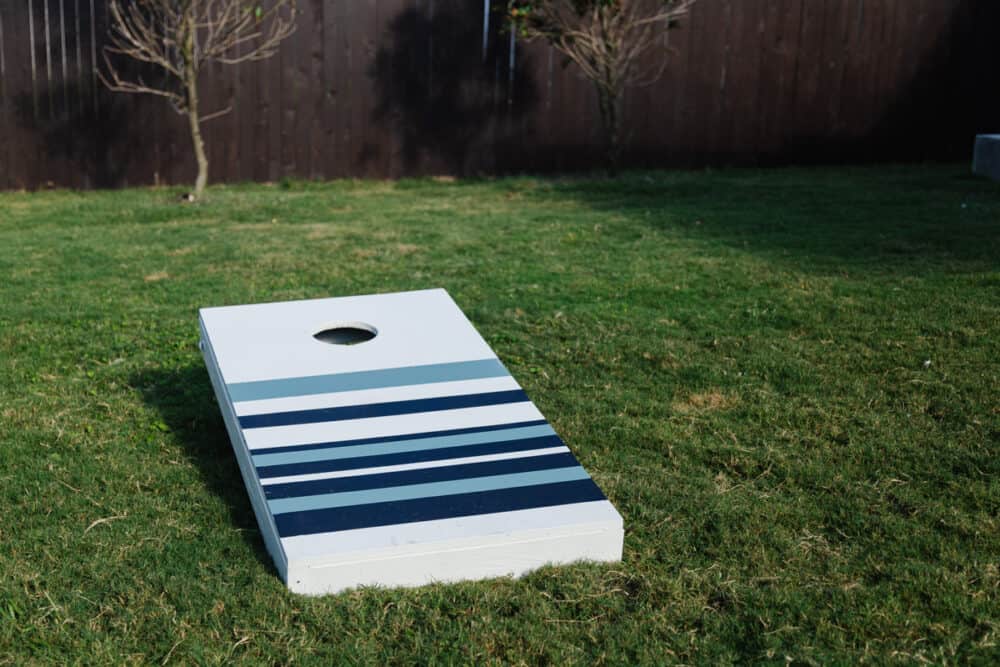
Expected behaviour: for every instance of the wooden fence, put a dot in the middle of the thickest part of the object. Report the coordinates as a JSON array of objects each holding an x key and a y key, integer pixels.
[{"x": 388, "y": 88}]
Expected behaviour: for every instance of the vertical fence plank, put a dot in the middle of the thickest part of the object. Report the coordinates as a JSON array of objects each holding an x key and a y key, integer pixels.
[
  {"x": 743, "y": 73},
  {"x": 718, "y": 123},
  {"x": 62, "y": 172},
  {"x": 235, "y": 127},
  {"x": 841, "y": 109},
  {"x": 77, "y": 38},
  {"x": 807, "y": 81},
  {"x": 315, "y": 94},
  {"x": 888, "y": 63},
  {"x": 93, "y": 55},
  {"x": 774, "y": 56},
  {"x": 710, "y": 84},
  {"x": 351, "y": 60},
  {"x": 214, "y": 93},
  {"x": 337, "y": 66},
  {"x": 289, "y": 110},
  {"x": 507, "y": 123},
  {"x": 832, "y": 57},
  {"x": 355, "y": 16},
  {"x": 856, "y": 90},
  {"x": 32, "y": 56},
  {"x": 932, "y": 82},
  {"x": 294, "y": 154},
  {"x": 288, "y": 152},
  {"x": 85, "y": 106},
  {"x": 102, "y": 155},
  {"x": 881, "y": 33},
  {"x": 550, "y": 101},
  {"x": 271, "y": 90},
  {"x": 329, "y": 93},
  {"x": 897, "y": 84},
  {"x": 229, "y": 124},
  {"x": 669, "y": 95},
  {"x": 6, "y": 130},
  {"x": 964, "y": 70},
  {"x": 368, "y": 150},
  {"x": 63, "y": 57},
  {"x": 28, "y": 118},
  {"x": 47, "y": 60},
  {"x": 533, "y": 108},
  {"x": 311, "y": 77},
  {"x": 244, "y": 113},
  {"x": 262, "y": 119},
  {"x": 393, "y": 21},
  {"x": 583, "y": 140},
  {"x": 685, "y": 116},
  {"x": 983, "y": 117}
]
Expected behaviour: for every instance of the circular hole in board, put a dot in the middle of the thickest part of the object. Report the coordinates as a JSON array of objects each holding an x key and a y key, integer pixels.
[{"x": 351, "y": 333}]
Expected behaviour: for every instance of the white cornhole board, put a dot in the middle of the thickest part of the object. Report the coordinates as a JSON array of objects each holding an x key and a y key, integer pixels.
[{"x": 408, "y": 459}]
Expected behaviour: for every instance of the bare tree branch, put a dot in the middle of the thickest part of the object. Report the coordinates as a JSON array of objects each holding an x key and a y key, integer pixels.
[
  {"x": 175, "y": 39},
  {"x": 610, "y": 41},
  {"x": 217, "y": 114}
]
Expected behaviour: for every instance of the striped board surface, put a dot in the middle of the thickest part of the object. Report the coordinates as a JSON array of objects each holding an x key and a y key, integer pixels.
[{"x": 409, "y": 458}]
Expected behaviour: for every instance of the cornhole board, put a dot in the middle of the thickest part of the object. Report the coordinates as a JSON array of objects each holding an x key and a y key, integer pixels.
[{"x": 411, "y": 458}]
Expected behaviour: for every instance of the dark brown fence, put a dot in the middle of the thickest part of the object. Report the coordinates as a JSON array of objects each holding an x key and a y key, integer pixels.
[{"x": 387, "y": 88}]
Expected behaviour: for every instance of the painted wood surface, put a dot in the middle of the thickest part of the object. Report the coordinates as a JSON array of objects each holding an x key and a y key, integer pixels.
[{"x": 418, "y": 426}]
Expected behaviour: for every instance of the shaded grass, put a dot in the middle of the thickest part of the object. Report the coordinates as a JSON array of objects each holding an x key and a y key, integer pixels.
[{"x": 786, "y": 381}]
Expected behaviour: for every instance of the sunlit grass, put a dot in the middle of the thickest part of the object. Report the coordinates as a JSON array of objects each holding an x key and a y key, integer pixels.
[{"x": 786, "y": 381}]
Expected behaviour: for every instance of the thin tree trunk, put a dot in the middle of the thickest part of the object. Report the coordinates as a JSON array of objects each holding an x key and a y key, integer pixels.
[
  {"x": 199, "y": 144},
  {"x": 611, "y": 121},
  {"x": 194, "y": 121}
]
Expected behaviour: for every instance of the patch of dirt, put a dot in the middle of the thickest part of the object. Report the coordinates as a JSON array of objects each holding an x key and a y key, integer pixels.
[
  {"x": 253, "y": 226},
  {"x": 705, "y": 402}
]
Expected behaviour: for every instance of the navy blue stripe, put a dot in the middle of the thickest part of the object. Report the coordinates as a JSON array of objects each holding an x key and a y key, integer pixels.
[
  {"x": 382, "y": 409},
  {"x": 394, "y": 438},
  {"x": 422, "y": 476},
  {"x": 409, "y": 457},
  {"x": 444, "y": 507}
]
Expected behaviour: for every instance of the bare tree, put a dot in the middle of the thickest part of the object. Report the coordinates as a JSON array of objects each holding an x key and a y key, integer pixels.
[
  {"x": 175, "y": 39},
  {"x": 610, "y": 41}
]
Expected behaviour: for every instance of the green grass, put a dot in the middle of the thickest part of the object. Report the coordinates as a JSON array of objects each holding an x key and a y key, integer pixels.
[{"x": 786, "y": 381}]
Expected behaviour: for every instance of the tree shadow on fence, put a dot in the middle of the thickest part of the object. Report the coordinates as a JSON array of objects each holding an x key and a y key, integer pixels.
[
  {"x": 454, "y": 102},
  {"x": 76, "y": 132},
  {"x": 93, "y": 136},
  {"x": 185, "y": 401}
]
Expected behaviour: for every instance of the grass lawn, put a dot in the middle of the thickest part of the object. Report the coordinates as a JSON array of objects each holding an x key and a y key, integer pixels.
[{"x": 786, "y": 381}]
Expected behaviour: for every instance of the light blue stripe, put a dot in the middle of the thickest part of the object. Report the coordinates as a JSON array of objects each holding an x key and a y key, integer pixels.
[
  {"x": 400, "y": 446},
  {"x": 432, "y": 489},
  {"x": 388, "y": 377}
]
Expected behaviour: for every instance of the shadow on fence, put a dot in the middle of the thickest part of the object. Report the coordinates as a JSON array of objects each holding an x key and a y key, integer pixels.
[{"x": 454, "y": 107}]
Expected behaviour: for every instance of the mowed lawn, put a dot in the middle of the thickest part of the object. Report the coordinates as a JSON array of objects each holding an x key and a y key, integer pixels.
[{"x": 787, "y": 382}]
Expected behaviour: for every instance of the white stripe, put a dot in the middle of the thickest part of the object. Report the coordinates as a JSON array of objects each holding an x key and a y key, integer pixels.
[
  {"x": 380, "y": 395},
  {"x": 348, "y": 544},
  {"x": 392, "y": 425},
  {"x": 486, "y": 458}
]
